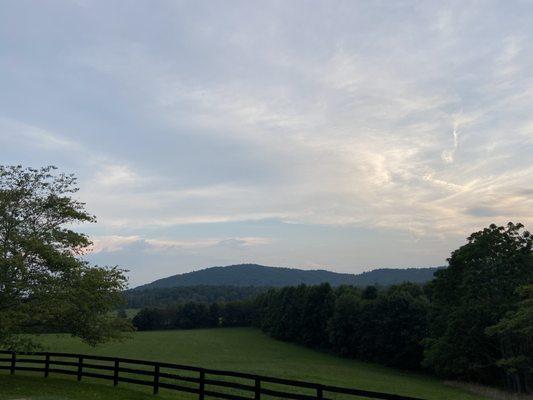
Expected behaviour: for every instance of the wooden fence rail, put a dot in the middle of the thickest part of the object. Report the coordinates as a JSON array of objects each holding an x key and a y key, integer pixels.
[{"x": 206, "y": 383}]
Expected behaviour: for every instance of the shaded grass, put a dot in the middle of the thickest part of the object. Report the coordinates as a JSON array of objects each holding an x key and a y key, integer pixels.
[
  {"x": 489, "y": 392},
  {"x": 37, "y": 388},
  {"x": 249, "y": 350}
]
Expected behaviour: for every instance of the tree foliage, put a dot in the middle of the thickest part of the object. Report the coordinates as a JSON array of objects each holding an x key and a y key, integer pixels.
[
  {"x": 381, "y": 326},
  {"x": 474, "y": 293},
  {"x": 515, "y": 335},
  {"x": 193, "y": 315},
  {"x": 44, "y": 279},
  {"x": 163, "y": 297}
]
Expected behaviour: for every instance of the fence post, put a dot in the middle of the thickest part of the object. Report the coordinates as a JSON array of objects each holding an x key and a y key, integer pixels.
[
  {"x": 319, "y": 393},
  {"x": 47, "y": 366},
  {"x": 201, "y": 391},
  {"x": 115, "y": 373},
  {"x": 80, "y": 367},
  {"x": 13, "y": 362},
  {"x": 156, "y": 378},
  {"x": 257, "y": 389}
]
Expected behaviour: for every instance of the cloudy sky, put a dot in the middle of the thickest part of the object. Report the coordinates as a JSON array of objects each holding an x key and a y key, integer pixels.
[{"x": 347, "y": 135}]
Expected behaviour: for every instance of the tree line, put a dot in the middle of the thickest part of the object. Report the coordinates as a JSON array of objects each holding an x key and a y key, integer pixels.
[
  {"x": 380, "y": 326},
  {"x": 156, "y": 297},
  {"x": 473, "y": 322},
  {"x": 196, "y": 315}
]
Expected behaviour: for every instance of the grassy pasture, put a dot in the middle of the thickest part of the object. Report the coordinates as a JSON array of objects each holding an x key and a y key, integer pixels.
[
  {"x": 249, "y": 350},
  {"x": 25, "y": 388}
]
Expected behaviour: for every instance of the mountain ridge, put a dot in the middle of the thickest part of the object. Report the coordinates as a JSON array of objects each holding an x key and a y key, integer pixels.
[{"x": 260, "y": 275}]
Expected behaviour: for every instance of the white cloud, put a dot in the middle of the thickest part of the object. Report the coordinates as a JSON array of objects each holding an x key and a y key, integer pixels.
[
  {"x": 115, "y": 243},
  {"x": 116, "y": 175},
  {"x": 112, "y": 243}
]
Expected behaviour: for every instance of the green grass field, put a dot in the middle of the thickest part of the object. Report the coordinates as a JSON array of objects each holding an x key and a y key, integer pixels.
[
  {"x": 247, "y": 350},
  {"x": 24, "y": 388}
]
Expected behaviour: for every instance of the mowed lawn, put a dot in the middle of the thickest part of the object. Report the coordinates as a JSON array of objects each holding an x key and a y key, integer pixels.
[{"x": 249, "y": 350}]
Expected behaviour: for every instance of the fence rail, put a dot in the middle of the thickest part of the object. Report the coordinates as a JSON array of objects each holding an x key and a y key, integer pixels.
[{"x": 206, "y": 383}]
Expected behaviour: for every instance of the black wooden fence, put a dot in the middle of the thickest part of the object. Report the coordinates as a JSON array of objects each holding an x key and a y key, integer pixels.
[{"x": 183, "y": 378}]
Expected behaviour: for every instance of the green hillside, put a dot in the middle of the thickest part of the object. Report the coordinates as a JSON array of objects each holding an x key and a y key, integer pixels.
[{"x": 259, "y": 275}]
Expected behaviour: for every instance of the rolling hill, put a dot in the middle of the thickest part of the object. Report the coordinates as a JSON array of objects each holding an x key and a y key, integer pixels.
[{"x": 263, "y": 276}]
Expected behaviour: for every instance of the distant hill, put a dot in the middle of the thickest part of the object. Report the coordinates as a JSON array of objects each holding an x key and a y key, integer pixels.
[{"x": 263, "y": 276}]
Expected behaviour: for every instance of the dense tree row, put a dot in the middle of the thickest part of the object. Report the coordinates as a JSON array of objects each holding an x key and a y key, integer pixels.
[
  {"x": 195, "y": 315},
  {"x": 163, "y": 297},
  {"x": 385, "y": 327}
]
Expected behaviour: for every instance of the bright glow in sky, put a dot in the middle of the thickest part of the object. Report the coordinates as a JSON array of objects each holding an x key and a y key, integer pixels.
[{"x": 340, "y": 134}]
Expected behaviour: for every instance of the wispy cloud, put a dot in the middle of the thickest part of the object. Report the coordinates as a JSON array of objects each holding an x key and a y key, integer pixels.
[
  {"x": 113, "y": 175},
  {"x": 115, "y": 243},
  {"x": 449, "y": 155},
  {"x": 15, "y": 131}
]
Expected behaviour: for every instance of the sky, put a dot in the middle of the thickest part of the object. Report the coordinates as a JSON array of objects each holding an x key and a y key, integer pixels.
[{"x": 344, "y": 135}]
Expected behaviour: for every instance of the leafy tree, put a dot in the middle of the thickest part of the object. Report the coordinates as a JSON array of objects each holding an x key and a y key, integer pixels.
[
  {"x": 317, "y": 310},
  {"x": 370, "y": 293},
  {"x": 237, "y": 313},
  {"x": 280, "y": 312},
  {"x": 214, "y": 315},
  {"x": 299, "y": 314},
  {"x": 343, "y": 326},
  {"x": 401, "y": 324},
  {"x": 193, "y": 315},
  {"x": 387, "y": 329},
  {"x": 43, "y": 277},
  {"x": 473, "y": 293},
  {"x": 147, "y": 319},
  {"x": 515, "y": 334}
]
